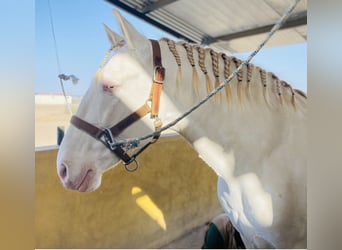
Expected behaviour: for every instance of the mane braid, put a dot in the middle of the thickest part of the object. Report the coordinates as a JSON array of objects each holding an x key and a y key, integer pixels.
[
  {"x": 172, "y": 47},
  {"x": 239, "y": 76},
  {"x": 278, "y": 85},
  {"x": 226, "y": 74},
  {"x": 263, "y": 76},
  {"x": 249, "y": 77},
  {"x": 190, "y": 55},
  {"x": 215, "y": 65},
  {"x": 286, "y": 85},
  {"x": 283, "y": 90},
  {"x": 201, "y": 63},
  {"x": 237, "y": 63}
]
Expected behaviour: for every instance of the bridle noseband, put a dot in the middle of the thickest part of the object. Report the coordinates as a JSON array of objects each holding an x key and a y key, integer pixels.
[{"x": 107, "y": 135}]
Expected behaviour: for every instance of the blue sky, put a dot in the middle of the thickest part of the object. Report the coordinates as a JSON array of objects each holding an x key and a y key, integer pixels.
[{"x": 82, "y": 43}]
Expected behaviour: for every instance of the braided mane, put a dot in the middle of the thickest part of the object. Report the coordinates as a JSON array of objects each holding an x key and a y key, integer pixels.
[{"x": 222, "y": 66}]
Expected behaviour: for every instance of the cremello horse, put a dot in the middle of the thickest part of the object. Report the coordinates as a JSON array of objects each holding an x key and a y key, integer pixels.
[{"x": 252, "y": 134}]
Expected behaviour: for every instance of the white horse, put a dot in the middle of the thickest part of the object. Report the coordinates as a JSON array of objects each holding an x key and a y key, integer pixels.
[{"x": 252, "y": 134}]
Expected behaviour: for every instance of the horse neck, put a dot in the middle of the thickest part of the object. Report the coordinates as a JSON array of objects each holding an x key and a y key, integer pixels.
[{"x": 251, "y": 112}]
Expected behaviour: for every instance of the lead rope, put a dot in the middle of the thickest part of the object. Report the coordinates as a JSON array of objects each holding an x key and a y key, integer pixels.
[{"x": 136, "y": 141}]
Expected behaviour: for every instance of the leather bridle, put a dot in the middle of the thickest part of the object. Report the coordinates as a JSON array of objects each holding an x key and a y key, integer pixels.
[{"x": 107, "y": 135}]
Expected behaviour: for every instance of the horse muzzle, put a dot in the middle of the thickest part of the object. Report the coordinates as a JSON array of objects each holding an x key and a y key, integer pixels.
[{"x": 85, "y": 181}]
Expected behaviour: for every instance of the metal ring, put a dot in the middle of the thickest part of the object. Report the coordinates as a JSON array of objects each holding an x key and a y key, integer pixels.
[{"x": 134, "y": 168}]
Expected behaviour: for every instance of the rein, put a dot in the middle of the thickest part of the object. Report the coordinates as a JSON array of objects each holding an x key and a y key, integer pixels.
[{"x": 107, "y": 135}]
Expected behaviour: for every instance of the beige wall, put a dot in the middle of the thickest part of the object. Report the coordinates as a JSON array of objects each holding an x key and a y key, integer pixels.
[
  {"x": 172, "y": 193},
  {"x": 47, "y": 119}
]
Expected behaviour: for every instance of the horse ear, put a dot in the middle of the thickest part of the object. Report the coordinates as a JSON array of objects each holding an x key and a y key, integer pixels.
[
  {"x": 113, "y": 38},
  {"x": 133, "y": 38}
]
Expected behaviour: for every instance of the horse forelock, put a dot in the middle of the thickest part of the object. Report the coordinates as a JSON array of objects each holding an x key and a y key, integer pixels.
[{"x": 221, "y": 66}]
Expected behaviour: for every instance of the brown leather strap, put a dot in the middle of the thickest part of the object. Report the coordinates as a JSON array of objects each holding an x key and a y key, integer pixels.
[
  {"x": 129, "y": 120},
  {"x": 158, "y": 78},
  {"x": 116, "y": 129},
  {"x": 86, "y": 127},
  {"x": 156, "y": 53}
]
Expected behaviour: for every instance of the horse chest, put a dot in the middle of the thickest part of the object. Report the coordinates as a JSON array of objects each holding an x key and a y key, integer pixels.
[{"x": 250, "y": 208}]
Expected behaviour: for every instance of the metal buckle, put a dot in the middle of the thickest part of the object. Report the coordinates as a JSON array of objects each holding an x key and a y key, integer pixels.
[
  {"x": 109, "y": 138},
  {"x": 160, "y": 70}
]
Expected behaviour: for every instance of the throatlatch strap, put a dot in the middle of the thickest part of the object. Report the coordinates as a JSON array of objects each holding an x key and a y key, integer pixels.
[
  {"x": 156, "y": 53},
  {"x": 158, "y": 79}
]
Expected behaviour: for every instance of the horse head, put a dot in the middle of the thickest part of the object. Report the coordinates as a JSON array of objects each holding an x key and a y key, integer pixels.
[{"x": 118, "y": 93}]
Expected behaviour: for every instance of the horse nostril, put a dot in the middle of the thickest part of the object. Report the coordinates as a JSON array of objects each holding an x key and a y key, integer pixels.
[{"x": 63, "y": 171}]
